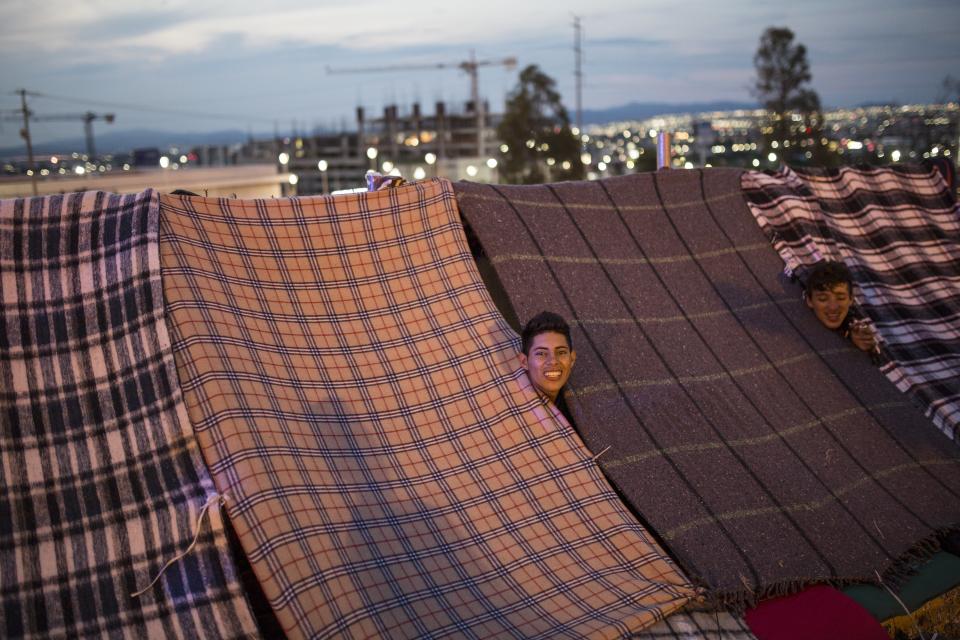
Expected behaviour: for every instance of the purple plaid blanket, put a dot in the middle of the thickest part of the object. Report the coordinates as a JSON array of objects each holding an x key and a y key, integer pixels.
[
  {"x": 767, "y": 453},
  {"x": 898, "y": 229},
  {"x": 102, "y": 480},
  {"x": 394, "y": 474}
]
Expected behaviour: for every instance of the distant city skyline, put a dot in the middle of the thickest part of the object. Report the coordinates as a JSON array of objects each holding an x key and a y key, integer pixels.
[{"x": 217, "y": 65}]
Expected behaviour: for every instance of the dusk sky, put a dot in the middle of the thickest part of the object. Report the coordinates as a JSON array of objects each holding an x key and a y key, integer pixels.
[{"x": 221, "y": 64}]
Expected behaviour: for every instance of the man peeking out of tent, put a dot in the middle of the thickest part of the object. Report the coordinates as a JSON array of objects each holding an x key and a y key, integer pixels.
[
  {"x": 547, "y": 355},
  {"x": 829, "y": 293}
]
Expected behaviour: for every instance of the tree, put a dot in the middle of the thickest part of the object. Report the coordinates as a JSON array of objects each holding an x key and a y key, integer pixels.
[
  {"x": 536, "y": 129},
  {"x": 782, "y": 86},
  {"x": 949, "y": 90}
]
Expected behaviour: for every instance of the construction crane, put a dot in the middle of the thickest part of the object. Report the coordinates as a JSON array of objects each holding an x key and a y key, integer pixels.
[
  {"x": 469, "y": 66},
  {"x": 87, "y": 118}
]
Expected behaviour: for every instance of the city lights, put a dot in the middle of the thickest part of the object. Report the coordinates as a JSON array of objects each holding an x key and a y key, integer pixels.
[{"x": 874, "y": 135}]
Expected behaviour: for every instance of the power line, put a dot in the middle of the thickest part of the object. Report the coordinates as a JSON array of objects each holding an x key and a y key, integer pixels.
[{"x": 149, "y": 108}]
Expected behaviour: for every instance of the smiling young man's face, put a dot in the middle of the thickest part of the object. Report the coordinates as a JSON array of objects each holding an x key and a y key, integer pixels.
[
  {"x": 831, "y": 305},
  {"x": 549, "y": 362}
]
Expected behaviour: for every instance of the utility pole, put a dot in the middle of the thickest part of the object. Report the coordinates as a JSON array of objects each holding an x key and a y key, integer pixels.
[
  {"x": 577, "y": 72},
  {"x": 471, "y": 67},
  {"x": 25, "y": 132}
]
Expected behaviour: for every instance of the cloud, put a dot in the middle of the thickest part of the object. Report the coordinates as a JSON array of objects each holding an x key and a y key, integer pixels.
[
  {"x": 114, "y": 30},
  {"x": 269, "y": 59},
  {"x": 630, "y": 41}
]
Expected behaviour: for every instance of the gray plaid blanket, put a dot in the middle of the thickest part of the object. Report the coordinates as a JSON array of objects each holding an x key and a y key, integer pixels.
[
  {"x": 898, "y": 229},
  {"x": 698, "y": 625},
  {"x": 102, "y": 480}
]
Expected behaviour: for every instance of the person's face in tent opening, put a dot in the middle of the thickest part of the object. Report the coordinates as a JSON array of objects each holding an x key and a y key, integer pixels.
[
  {"x": 549, "y": 362},
  {"x": 831, "y": 304}
]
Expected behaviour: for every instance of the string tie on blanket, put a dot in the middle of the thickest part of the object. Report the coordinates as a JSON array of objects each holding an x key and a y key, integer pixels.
[
  {"x": 219, "y": 499},
  {"x": 594, "y": 458}
]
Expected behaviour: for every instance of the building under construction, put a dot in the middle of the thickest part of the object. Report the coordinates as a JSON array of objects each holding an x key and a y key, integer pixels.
[{"x": 446, "y": 142}]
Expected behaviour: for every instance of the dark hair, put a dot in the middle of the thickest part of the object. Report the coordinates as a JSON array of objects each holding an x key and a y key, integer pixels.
[
  {"x": 542, "y": 323},
  {"x": 827, "y": 274}
]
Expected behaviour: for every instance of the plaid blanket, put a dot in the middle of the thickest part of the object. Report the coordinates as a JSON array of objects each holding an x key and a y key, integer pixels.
[
  {"x": 898, "y": 229},
  {"x": 698, "y": 625},
  {"x": 102, "y": 479},
  {"x": 393, "y": 472},
  {"x": 767, "y": 453}
]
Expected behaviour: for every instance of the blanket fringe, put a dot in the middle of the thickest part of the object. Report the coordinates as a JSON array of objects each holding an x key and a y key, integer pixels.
[{"x": 893, "y": 577}]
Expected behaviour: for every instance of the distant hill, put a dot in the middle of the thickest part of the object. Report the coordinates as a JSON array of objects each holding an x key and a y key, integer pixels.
[
  {"x": 644, "y": 110},
  {"x": 125, "y": 141}
]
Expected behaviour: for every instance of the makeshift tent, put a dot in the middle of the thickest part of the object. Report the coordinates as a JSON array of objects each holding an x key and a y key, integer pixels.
[
  {"x": 767, "y": 452},
  {"x": 392, "y": 472},
  {"x": 898, "y": 229},
  {"x": 102, "y": 478}
]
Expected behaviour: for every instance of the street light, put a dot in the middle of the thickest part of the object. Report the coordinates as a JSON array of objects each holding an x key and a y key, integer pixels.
[
  {"x": 322, "y": 165},
  {"x": 284, "y": 158}
]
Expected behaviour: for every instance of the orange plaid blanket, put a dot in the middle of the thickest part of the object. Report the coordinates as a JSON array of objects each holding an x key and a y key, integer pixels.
[{"x": 391, "y": 471}]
